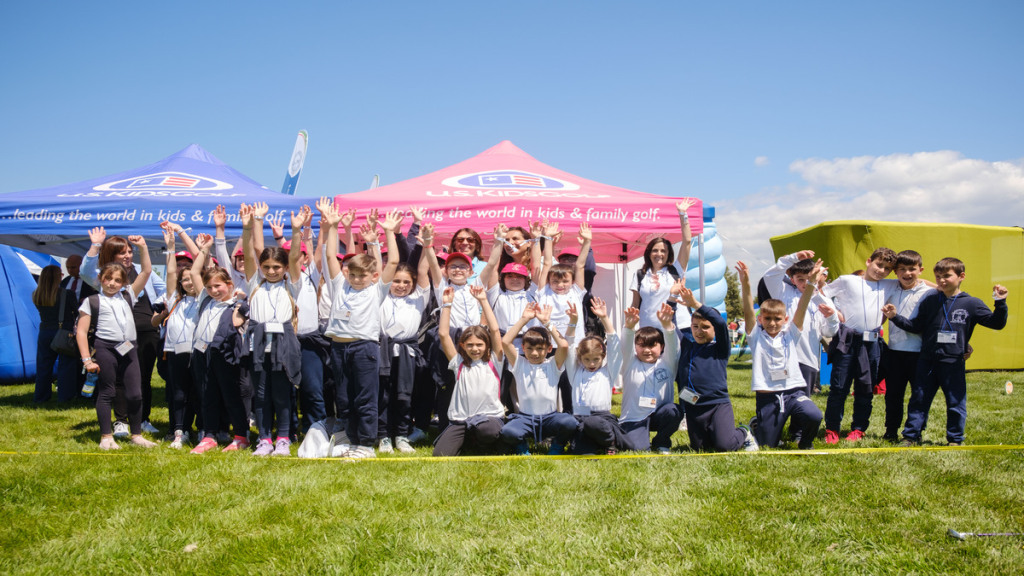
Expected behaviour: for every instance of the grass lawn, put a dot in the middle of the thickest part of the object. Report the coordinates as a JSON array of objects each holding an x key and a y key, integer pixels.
[{"x": 65, "y": 508}]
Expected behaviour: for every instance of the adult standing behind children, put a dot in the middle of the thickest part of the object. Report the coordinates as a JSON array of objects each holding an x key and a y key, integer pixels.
[
  {"x": 74, "y": 281},
  {"x": 117, "y": 249},
  {"x": 652, "y": 285},
  {"x": 945, "y": 320},
  {"x": 855, "y": 351}
]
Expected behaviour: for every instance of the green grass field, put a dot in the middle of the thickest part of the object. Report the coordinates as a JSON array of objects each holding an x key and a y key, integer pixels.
[{"x": 68, "y": 509}]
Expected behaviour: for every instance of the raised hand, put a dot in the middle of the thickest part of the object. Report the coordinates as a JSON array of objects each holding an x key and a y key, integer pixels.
[
  {"x": 393, "y": 221},
  {"x": 599, "y": 308},
  {"x": 168, "y": 235},
  {"x": 426, "y": 235},
  {"x": 260, "y": 209},
  {"x": 298, "y": 220},
  {"x": 348, "y": 217},
  {"x": 685, "y": 204},
  {"x": 368, "y": 232},
  {"x": 585, "y": 233},
  {"x": 98, "y": 235},
  {"x": 544, "y": 313},
  {"x": 478, "y": 292},
  {"x": 245, "y": 214},
  {"x": 666, "y": 315},
  {"x": 1000, "y": 292},
  {"x": 743, "y": 272},
  {"x": 805, "y": 254},
  {"x": 137, "y": 241},
  {"x": 220, "y": 216},
  {"x": 328, "y": 212},
  {"x": 572, "y": 313},
  {"x": 530, "y": 311},
  {"x": 418, "y": 212},
  {"x": 686, "y": 295},
  {"x": 631, "y": 317},
  {"x": 204, "y": 241},
  {"x": 448, "y": 296},
  {"x": 277, "y": 225}
]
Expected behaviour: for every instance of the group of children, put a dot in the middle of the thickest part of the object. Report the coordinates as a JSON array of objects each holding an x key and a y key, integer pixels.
[{"x": 510, "y": 352}]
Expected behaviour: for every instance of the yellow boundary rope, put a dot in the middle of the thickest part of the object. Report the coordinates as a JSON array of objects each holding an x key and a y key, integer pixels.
[{"x": 625, "y": 456}]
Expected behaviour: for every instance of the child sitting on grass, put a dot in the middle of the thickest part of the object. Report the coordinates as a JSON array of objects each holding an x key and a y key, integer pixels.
[
  {"x": 592, "y": 379},
  {"x": 945, "y": 319},
  {"x": 647, "y": 383},
  {"x": 537, "y": 383},
  {"x": 704, "y": 351},
  {"x": 775, "y": 374},
  {"x": 475, "y": 412}
]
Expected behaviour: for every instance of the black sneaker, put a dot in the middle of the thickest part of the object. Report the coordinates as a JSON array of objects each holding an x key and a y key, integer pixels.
[
  {"x": 890, "y": 436},
  {"x": 908, "y": 443}
]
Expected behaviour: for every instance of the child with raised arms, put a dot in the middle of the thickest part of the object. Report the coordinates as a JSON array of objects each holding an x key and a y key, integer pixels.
[
  {"x": 593, "y": 367},
  {"x": 401, "y": 315},
  {"x": 561, "y": 286},
  {"x": 647, "y": 394},
  {"x": 115, "y": 356},
  {"x": 475, "y": 412},
  {"x": 704, "y": 351},
  {"x": 276, "y": 356},
  {"x": 354, "y": 327},
  {"x": 775, "y": 369},
  {"x": 179, "y": 322},
  {"x": 536, "y": 376},
  {"x": 218, "y": 350},
  {"x": 945, "y": 320}
]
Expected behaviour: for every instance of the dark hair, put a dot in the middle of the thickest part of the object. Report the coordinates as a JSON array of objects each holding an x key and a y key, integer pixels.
[
  {"x": 477, "y": 242},
  {"x": 773, "y": 306},
  {"x": 802, "y": 267},
  {"x": 649, "y": 336},
  {"x": 536, "y": 336},
  {"x": 46, "y": 292},
  {"x": 947, "y": 264},
  {"x": 527, "y": 257},
  {"x": 475, "y": 332},
  {"x": 909, "y": 258},
  {"x": 885, "y": 255},
  {"x": 697, "y": 315},
  {"x": 275, "y": 253},
  {"x": 403, "y": 267},
  {"x": 648, "y": 265}
]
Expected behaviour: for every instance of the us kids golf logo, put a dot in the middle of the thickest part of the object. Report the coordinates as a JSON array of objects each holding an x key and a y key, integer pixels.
[
  {"x": 165, "y": 182},
  {"x": 509, "y": 180}
]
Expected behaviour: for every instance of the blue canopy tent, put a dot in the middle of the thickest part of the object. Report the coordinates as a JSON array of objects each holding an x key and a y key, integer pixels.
[{"x": 184, "y": 187}]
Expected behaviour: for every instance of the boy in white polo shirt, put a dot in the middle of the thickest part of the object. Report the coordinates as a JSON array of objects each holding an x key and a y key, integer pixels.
[
  {"x": 855, "y": 351},
  {"x": 775, "y": 370},
  {"x": 354, "y": 328}
]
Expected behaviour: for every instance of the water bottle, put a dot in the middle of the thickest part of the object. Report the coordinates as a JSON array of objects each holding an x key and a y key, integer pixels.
[{"x": 90, "y": 384}]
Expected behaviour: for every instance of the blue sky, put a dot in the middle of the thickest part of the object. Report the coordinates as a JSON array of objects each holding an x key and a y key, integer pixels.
[{"x": 675, "y": 98}]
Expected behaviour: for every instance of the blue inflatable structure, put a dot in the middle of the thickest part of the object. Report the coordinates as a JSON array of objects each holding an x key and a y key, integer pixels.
[{"x": 19, "y": 322}]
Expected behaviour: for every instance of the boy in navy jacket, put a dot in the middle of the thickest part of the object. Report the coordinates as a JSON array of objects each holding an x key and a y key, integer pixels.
[{"x": 945, "y": 319}]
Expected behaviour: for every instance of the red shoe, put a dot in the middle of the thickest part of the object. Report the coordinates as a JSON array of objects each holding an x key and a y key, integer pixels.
[
  {"x": 831, "y": 437},
  {"x": 237, "y": 444},
  {"x": 854, "y": 435},
  {"x": 207, "y": 444}
]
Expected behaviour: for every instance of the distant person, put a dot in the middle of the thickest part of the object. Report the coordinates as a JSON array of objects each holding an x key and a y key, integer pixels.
[
  {"x": 50, "y": 299},
  {"x": 74, "y": 282}
]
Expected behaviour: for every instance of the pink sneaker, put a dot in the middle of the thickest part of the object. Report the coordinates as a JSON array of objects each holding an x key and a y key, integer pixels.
[
  {"x": 207, "y": 444},
  {"x": 831, "y": 437},
  {"x": 854, "y": 435},
  {"x": 237, "y": 444}
]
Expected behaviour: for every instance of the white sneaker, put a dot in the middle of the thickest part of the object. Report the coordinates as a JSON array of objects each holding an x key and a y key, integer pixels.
[
  {"x": 360, "y": 452},
  {"x": 179, "y": 439},
  {"x": 121, "y": 430},
  {"x": 417, "y": 436},
  {"x": 403, "y": 445},
  {"x": 149, "y": 428},
  {"x": 384, "y": 446},
  {"x": 663, "y": 450},
  {"x": 338, "y": 445},
  {"x": 749, "y": 444},
  {"x": 682, "y": 425}
]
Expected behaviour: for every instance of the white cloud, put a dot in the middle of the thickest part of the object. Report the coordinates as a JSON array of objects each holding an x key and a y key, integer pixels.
[
  {"x": 940, "y": 186},
  {"x": 761, "y": 161}
]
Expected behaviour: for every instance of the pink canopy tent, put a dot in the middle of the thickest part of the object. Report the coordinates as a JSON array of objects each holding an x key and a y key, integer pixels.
[{"x": 505, "y": 185}]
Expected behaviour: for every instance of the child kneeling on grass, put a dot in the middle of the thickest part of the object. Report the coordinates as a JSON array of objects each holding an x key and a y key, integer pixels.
[
  {"x": 475, "y": 412},
  {"x": 775, "y": 372},
  {"x": 945, "y": 319},
  {"x": 592, "y": 379},
  {"x": 647, "y": 383},
  {"x": 537, "y": 382},
  {"x": 704, "y": 351}
]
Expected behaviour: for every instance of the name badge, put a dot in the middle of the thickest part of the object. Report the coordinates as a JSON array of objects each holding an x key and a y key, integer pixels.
[
  {"x": 182, "y": 347},
  {"x": 870, "y": 336},
  {"x": 124, "y": 347},
  {"x": 946, "y": 337},
  {"x": 780, "y": 374},
  {"x": 648, "y": 402},
  {"x": 689, "y": 396},
  {"x": 202, "y": 346},
  {"x": 274, "y": 328}
]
